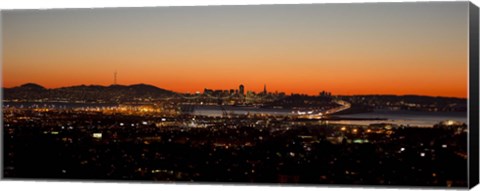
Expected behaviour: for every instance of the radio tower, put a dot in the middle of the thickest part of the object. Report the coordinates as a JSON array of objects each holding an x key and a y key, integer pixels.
[{"x": 115, "y": 78}]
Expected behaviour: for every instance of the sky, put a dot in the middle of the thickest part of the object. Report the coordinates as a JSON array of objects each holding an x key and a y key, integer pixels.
[{"x": 372, "y": 48}]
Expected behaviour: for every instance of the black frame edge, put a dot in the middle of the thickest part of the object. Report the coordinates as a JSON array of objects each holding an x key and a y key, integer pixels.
[
  {"x": 2, "y": 143},
  {"x": 473, "y": 97}
]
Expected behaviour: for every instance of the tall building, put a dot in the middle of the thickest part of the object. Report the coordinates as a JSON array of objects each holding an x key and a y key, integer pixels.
[
  {"x": 264, "y": 88},
  {"x": 241, "y": 89},
  {"x": 325, "y": 94}
]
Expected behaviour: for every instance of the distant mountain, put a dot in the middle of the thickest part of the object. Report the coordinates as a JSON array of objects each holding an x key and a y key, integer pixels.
[
  {"x": 407, "y": 96},
  {"x": 86, "y": 93},
  {"x": 362, "y": 103},
  {"x": 32, "y": 86}
]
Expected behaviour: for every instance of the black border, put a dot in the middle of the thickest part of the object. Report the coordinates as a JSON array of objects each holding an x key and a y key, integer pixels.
[{"x": 473, "y": 97}]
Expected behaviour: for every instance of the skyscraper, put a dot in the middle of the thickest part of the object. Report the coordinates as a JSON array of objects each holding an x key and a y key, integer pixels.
[
  {"x": 241, "y": 89},
  {"x": 265, "y": 89}
]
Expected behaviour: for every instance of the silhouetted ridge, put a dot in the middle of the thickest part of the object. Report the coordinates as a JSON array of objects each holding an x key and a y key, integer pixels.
[
  {"x": 87, "y": 93},
  {"x": 32, "y": 86}
]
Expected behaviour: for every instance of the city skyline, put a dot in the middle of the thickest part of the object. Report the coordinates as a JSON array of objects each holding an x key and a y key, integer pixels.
[
  {"x": 418, "y": 48},
  {"x": 236, "y": 90}
]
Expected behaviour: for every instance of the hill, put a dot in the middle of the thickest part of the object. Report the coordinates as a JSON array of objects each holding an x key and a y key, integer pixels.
[{"x": 86, "y": 93}]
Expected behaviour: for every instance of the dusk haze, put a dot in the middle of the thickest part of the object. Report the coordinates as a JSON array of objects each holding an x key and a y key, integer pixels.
[{"x": 380, "y": 48}]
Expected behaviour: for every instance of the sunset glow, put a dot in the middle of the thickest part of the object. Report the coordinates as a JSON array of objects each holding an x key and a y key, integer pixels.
[{"x": 345, "y": 49}]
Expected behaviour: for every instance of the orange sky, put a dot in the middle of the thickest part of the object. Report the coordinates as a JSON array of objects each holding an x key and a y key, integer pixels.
[{"x": 408, "y": 48}]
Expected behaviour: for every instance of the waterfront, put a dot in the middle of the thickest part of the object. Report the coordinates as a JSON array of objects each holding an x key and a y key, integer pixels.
[
  {"x": 219, "y": 110},
  {"x": 406, "y": 118},
  {"x": 55, "y": 105}
]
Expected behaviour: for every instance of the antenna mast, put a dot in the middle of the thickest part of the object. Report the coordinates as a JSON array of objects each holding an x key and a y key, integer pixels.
[{"x": 115, "y": 78}]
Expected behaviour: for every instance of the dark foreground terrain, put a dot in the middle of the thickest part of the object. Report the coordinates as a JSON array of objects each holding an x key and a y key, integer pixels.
[{"x": 92, "y": 145}]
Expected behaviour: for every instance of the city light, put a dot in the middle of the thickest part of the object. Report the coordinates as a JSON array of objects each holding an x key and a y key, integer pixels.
[
  {"x": 305, "y": 132},
  {"x": 97, "y": 135}
]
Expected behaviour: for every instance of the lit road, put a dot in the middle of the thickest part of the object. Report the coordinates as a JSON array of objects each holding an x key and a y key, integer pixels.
[{"x": 317, "y": 115}]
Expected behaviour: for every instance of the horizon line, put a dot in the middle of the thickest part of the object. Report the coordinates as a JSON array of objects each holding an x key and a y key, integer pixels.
[{"x": 340, "y": 95}]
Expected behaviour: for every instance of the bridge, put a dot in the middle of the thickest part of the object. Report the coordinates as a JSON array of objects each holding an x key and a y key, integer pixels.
[{"x": 343, "y": 105}]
